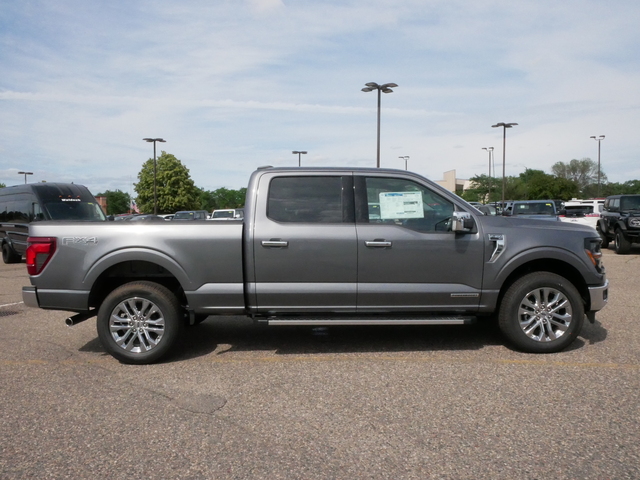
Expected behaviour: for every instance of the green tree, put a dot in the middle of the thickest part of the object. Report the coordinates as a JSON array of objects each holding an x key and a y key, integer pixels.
[
  {"x": 117, "y": 202},
  {"x": 222, "y": 198},
  {"x": 484, "y": 189},
  {"x": 2, "y": 185},
  {"x": 583, "y": 172},
  {"x": 175, "y": 188},
  {"x": 537, "y": 185},
  {"x": 628, "y": 187}
]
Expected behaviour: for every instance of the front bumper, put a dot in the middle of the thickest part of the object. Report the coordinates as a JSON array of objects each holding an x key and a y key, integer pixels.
[{"x": 598, "y": 296}]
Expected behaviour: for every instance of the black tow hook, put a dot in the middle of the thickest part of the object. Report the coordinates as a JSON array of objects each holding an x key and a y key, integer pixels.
[{"x": 80, "y": 317}]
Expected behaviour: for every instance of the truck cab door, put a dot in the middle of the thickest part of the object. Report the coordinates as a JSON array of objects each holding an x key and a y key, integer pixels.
[
  {"x": 304, "y": 244},
  {"x": 409, "y": 259}
]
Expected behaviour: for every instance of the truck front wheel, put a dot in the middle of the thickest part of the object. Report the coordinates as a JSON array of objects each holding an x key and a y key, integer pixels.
[
  {"x": 541, "y": 313},
  {"x": 139, "y": 322}
]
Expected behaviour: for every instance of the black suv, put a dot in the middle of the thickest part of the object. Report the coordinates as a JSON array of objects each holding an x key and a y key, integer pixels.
[{"x": 620, "y": 222}]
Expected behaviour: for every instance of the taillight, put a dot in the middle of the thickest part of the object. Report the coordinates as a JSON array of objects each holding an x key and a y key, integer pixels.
[{"x": 39, "y": 252}]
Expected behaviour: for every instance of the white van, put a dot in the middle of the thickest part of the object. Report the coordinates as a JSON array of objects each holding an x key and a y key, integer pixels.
[{"x": 582, "y": 212}]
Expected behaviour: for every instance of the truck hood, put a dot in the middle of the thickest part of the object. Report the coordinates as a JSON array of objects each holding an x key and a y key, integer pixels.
[{"x": 493, "y": 222}]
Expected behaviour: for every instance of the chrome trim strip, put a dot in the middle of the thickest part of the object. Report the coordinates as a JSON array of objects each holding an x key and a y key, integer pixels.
[
  {"x": 372, "y": 321},
  {"x": 500, "y": 241}
]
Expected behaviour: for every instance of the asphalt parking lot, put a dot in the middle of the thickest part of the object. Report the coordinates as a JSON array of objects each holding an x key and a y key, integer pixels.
[{"x": 242, "y": 401}]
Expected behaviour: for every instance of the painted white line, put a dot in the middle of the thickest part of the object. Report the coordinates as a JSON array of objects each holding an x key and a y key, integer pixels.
[{"x": 9, "y": 304}]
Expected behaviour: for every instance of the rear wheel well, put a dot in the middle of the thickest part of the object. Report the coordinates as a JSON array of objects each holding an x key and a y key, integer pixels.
[
  {"x": 131, "y": 271},
  {"x": 553, "y": 266}
]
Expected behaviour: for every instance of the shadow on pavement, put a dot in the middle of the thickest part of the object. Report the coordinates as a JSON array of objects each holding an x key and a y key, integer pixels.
[{"x": 242, "y": 335}]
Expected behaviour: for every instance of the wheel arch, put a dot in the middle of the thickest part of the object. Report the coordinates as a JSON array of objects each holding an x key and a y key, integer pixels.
[
  {"x": 551, "y": 265},
  {"x": 119, "y": 268}
]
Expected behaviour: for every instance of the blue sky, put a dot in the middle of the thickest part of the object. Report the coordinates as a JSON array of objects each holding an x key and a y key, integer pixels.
[{"x": 234, "y": 85}]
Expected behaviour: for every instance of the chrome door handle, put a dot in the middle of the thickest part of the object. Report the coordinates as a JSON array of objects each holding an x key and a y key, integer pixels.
[
  {"x": 275, "y": 243},
  {"x": 377, "y": 243}
]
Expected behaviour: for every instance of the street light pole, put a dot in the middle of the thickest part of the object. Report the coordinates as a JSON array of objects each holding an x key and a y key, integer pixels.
[
  {"x": 25, "y": 175},
  {"x": 490, "y": 150},
  {"x": 406, "y": 157},
  {"x": 504, "y": 144},
  {"x": 599, "y": 139},
  {"x": 155, "y": 193},
  {"x": 299, "y": 153},
  {"x": 386, "y": 88}
]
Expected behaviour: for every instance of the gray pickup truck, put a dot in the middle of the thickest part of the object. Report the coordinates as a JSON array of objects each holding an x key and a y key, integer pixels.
[{"x": 311, "y": 252}]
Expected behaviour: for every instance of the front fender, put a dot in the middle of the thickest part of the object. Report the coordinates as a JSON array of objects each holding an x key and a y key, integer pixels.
[{"x": 540, "y": 255}]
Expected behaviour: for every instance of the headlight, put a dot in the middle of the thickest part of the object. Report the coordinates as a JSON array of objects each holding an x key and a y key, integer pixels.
[
  {"x": 634, "y": 222},
  {"x": 592, "y": 249}
]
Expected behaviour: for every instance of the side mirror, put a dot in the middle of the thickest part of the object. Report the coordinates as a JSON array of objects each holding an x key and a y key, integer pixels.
[{"x": 462, "y": 222}]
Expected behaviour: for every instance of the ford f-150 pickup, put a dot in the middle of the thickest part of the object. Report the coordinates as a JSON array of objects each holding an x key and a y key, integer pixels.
[{"x": 309, "y": 251}]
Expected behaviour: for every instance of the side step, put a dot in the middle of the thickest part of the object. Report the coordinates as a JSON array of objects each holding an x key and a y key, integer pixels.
[{"x": 328, "y": 321}]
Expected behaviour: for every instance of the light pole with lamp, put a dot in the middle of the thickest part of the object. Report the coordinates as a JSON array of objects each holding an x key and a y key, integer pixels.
[
  {"x": 386, "y": 88},
  {"x": 598, "y": 139},
  {"x": 490, "y": 150},
  {"x": 299, "y": 153},
  {"x": 405, "y": 158},
  {"x": 25, "y": 175},
  {"x": 155, "y": 194},
  {"x": 504, "y": 144}
]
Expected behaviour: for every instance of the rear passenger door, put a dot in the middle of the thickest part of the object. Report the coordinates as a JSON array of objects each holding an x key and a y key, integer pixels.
[{"x": 304, "y": 243}]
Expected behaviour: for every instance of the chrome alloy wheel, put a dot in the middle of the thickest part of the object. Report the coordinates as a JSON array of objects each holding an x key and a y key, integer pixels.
[
  {"x": 137, "y": 325},
  {"x": 545, "y": 314}
]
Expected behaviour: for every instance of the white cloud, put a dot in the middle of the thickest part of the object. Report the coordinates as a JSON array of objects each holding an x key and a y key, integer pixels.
[{"x": 234, "y": 85}]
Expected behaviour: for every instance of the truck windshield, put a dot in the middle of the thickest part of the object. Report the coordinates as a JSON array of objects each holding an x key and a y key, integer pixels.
[
  {"x": 630, "y": 203},
  {"x": 223, "y": 214},
  {"x": 534, "y": 209}
]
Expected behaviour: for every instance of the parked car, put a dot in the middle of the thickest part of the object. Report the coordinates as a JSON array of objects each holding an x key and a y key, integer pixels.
[
  {"x": 228, "y": 214},
  {"x": 167, "y": 216},
  {"x": 191, "y": 215},
  {"x": 484, "y": 208},
  {"x": 24, "y": 204},
  {"x": 144, "y": 218},
  {"x": 538, "y": 209},
  {"x": 620, "y": 222},
  {"x": 583, "y": 212}
]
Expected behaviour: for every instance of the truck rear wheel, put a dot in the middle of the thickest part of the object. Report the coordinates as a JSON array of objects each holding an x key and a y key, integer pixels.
[
  {"x": 541, "y": 313},
  {"x": 139, "y": 322},
  {"x": 622, "y": 245}
]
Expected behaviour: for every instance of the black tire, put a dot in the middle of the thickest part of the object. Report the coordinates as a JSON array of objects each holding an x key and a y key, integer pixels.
[
  {"x": 603, "y": 236},
  {"x": 541, "y": 313},
  {"x": 139, "y": 322},
  {"x": 622, "y": 245},
  {"x": 9, "y": 255}
]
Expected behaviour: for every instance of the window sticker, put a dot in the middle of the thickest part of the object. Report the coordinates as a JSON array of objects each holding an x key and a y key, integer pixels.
[{"x": 401, "y": 205}]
